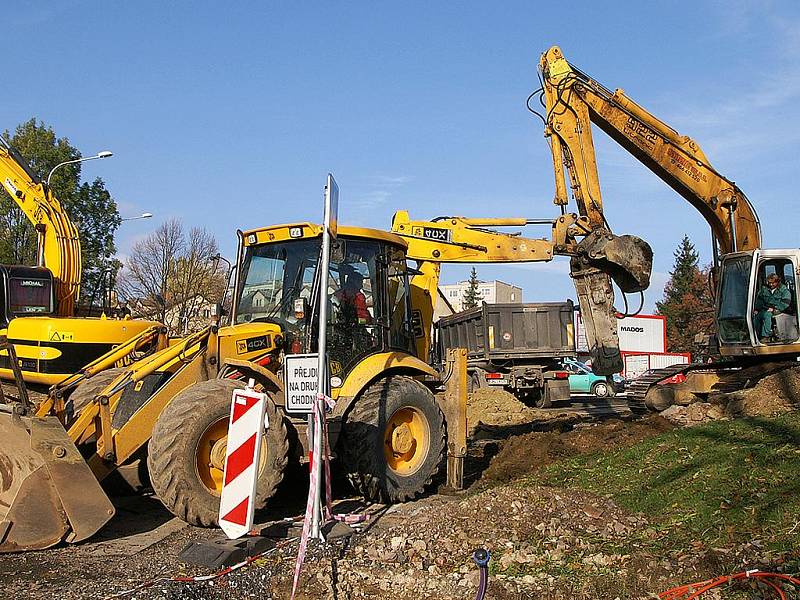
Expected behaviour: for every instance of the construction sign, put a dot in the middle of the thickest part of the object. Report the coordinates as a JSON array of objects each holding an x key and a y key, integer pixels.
[{"x": 245, "y": 432}]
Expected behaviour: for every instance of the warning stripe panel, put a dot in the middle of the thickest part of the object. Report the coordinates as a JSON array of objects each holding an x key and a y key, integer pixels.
[
  {"x": 240, "y": 459},
  {"x": 238, "y": 514},
  {"x": 241, "y": 405}
]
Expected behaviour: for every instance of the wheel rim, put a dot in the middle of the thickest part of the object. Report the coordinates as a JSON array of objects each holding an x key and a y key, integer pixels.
[
  {"x": 210, "y": 456},
  {"x": 601, "y": 389},
  {"x": 406, "y": 440}
]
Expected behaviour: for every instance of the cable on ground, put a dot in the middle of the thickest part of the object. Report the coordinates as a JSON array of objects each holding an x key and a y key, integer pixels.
[{"x": 691, "y": 591}]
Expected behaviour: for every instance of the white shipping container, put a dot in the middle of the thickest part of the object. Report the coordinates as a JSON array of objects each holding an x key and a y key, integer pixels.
[{"x": 642, "y": 333}]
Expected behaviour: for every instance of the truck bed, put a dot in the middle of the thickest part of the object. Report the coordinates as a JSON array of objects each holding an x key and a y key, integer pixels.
[{"x": 511, "y": 331}]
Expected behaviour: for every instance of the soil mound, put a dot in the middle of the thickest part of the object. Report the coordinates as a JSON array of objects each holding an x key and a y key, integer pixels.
[
  {"x": 498, "y": 408},
  {"x": 775, "y": 394},
  {"x": 524, "y": 454}
]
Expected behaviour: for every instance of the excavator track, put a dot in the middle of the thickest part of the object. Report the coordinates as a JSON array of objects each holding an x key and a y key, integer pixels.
[
  {"x": 733, "y": 376},
  {"x": 637, "y": 390}
]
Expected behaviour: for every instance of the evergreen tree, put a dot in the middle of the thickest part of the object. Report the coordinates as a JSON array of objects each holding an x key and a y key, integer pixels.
[
  {"x": 472, "y": 295},
  {"x": 687, "y": 303}
]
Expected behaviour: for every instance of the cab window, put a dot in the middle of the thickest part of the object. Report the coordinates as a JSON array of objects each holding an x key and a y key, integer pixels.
[{"x": 775, "y": 303}]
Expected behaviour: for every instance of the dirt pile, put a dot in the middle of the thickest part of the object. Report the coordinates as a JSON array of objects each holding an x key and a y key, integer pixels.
[
  {"x": 524, "y": 454},
  {"x": 773, "y": 395},
  {"x": 497, "y": 407}
]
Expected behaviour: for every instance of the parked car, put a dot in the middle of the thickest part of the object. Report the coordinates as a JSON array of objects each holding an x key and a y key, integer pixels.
[{"x": 583, "y": 381}]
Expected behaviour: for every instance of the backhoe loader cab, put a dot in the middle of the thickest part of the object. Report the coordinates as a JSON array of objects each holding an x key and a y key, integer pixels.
[
  {"x": 741, "y": 314},
  {"x": 368, "y": 292}
]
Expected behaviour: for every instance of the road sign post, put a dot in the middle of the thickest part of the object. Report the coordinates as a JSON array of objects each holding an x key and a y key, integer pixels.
[
  {"x": 329, "y": 231},
  {"x": 245, "y": 433}
]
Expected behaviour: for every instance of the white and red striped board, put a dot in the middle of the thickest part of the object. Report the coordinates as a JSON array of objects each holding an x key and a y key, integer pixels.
[{"x": 245, "y": 432}]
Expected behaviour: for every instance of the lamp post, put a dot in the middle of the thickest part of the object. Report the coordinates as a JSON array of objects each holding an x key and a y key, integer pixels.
[
  {"x": 103, "y": 154},
  {"x": 141, "y": 216}
]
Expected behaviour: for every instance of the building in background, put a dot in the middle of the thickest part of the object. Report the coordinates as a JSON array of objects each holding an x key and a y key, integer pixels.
[
  {"x": 491, "y": 292},
  {"x": 642, "y": 343}
]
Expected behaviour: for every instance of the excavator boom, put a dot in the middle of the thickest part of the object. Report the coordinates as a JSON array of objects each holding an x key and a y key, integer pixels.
[
  {"x": 59, "y": 247},
  {"x": 574, "y": 100}
]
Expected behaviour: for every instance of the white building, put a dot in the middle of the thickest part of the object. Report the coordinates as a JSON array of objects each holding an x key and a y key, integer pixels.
[{"x": 491, "y": 292}]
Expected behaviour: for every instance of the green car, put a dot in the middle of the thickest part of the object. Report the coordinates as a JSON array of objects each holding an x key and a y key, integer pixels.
[{"x": 583, "y": 381}]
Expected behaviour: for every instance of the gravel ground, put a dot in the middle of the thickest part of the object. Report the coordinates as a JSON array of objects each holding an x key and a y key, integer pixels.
[{"x": 545, "y": 542}]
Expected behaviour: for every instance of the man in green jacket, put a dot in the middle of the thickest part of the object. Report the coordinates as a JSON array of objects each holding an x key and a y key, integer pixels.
[{"x": 772, "y": 299}]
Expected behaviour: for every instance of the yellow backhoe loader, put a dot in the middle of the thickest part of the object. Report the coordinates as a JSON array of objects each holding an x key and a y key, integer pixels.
[
  {"x": 37, "y": 304},
  {"x": 573, "y": 101},
  {"x": 387, "y": 429}
]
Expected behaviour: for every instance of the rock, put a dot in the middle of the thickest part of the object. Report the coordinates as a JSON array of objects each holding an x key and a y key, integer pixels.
[{"x": 397, "y": 542}]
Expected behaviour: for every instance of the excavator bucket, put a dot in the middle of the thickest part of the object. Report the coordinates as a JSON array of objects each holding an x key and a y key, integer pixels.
[
  {"x": 603, "y": 256},
  {"x": 48, "y": 494}
]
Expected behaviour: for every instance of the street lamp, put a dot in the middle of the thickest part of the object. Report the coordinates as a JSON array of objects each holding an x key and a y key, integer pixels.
[
  {"x": 141, "y": 216},
  {"x": 103, "y": 154}
]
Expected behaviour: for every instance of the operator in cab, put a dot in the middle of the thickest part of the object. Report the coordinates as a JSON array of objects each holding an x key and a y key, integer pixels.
[
  {"x": 353, "y": 300},
  {"x": 772, "y": 299}
]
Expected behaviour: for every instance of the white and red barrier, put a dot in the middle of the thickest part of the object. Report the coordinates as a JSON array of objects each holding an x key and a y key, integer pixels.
[{"x": 245, "y": 433}]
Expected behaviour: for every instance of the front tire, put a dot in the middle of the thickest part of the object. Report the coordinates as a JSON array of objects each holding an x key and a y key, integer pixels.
[
  {"x": 393, "y": 440},
  {"x": 187, "y": 451}
]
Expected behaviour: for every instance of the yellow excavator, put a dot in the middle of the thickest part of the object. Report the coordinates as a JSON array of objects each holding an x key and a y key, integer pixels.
[
  {"x": 573, "y": 101},
  {"x": 37, "y": 304},
  {"x": 170, "y": 409}
]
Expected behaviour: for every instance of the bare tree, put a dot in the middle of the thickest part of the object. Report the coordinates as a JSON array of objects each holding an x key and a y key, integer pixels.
[{"x": 172, "y": 276}]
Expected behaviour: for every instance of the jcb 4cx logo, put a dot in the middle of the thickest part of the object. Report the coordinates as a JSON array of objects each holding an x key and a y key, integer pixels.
[{"x": 252, "y": 344}]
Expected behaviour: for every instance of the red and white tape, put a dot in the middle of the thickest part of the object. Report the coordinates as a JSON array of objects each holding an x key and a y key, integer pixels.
[
  {"x": 245, "y": 432},
  {"x": 322, "y": 403}
]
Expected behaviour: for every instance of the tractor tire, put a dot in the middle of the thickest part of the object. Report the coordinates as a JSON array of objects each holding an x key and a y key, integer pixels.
[
  {"x": 394, "y": 440},
  {"x": 601, "y": 389},
  {"x": 186, "y": 452},
  {"x": 476, "y": 381},
  {"x": 87, "y": 391},
  {"x": 542, "y": 398}
]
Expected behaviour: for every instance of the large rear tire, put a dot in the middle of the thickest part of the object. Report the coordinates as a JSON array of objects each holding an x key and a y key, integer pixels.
[
  {"x": 187, "y": 451},
  {"x": 393, "y": 440}
]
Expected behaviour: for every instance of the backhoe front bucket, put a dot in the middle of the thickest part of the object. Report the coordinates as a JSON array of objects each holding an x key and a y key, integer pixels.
[{"x": 48, "y": 493}]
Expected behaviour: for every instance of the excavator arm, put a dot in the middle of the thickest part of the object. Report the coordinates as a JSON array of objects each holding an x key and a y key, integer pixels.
[
  {"x": 59, "y": 247},
  {"x": 573, "y": 100},
  {"x": 597, "y": 258}
]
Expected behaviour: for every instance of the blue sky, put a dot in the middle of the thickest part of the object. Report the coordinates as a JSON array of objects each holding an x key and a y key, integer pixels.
[{"x": 230, "y": 117}]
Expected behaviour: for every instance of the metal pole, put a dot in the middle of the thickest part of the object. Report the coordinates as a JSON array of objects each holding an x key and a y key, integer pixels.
[{"x": 330, "y": 219}]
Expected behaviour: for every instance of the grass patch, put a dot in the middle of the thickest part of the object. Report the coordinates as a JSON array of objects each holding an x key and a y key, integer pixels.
[{"x": 717, "y": 484}]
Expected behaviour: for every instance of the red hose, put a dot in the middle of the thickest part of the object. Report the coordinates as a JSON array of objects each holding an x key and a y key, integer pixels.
[{"x": 695, "y": 590}]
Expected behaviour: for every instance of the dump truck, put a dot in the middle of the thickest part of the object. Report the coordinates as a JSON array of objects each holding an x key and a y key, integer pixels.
[{"x": 515, "y": 347}]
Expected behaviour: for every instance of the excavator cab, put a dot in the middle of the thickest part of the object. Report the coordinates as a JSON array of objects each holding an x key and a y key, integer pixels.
[
  {"x": 757, "y": 304},
  {"x": 25, "y": 292}
]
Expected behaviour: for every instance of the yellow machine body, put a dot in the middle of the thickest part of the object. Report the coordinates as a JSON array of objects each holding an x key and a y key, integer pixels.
[{"x": 50, "y": 349}]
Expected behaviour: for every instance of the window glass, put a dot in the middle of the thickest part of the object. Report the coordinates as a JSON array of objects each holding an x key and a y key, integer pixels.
[
  {"x": 29, "y": 296},
  {"x": 733, "y": 300},
  {"x": 273, "y": 276},
  {"x": 775, "y": 303},
  {"x": 400, "y": 333},
  {"x": 352, "y": 285}
]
